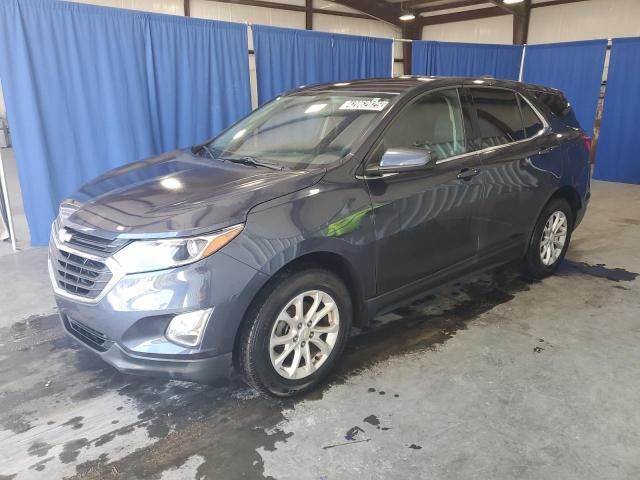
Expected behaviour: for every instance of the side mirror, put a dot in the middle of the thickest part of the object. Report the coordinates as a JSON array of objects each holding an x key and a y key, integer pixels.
[{"x": 396, "y": 160}]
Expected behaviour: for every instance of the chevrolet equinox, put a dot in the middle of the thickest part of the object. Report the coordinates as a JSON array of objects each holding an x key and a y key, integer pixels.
[{"x": 259, "y": 249}]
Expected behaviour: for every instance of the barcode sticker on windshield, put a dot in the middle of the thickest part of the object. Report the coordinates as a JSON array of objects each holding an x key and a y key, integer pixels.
[{"x": 370, "y": 104}]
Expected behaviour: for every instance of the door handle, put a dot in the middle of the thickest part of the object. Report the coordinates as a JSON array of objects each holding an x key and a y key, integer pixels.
[
  {"x": 546, "y": 150},
  {"x": 468, "y": 173}
]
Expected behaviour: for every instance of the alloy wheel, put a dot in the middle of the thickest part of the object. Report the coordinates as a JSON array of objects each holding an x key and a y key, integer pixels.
[
  {"x": 304, "y": 334},
  {"x": 554, "y": 237}
]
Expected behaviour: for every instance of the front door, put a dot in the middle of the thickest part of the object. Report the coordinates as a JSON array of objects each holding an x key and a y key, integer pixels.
[{"x": 423, "y": 218}]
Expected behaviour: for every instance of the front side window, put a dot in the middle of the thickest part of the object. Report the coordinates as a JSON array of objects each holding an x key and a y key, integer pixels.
[
  {"x": 433, "y": 122},
  {"x": 303, "y": 131},
  {"x": 499, "y": 118}
]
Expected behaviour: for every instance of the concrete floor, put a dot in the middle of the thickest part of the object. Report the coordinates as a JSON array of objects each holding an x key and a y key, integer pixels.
[{"x": 496, "y": 378}]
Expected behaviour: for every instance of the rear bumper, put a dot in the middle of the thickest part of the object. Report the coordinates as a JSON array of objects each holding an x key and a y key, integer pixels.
[{"x": 213, "y": 370}]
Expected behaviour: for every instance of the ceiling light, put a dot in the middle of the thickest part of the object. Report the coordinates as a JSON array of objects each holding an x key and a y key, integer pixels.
[
  {"x": 511, "y": 2},
  {"x": 405, "y": 17}
]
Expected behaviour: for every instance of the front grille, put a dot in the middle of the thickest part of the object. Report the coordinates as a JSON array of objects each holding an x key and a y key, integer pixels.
[
  {"x": 92, "y": 244},
  {"x": 95, "y": 339},
  {"x": 79, "y": 275}
]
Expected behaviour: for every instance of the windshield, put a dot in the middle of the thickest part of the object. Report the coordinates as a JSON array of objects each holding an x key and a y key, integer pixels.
[{"x": 302, "y": 131}]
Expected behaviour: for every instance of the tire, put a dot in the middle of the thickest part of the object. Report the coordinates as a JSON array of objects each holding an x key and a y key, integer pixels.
[
  {"x": 268, "y": 321},
  {"x": 537, "y": 263}
]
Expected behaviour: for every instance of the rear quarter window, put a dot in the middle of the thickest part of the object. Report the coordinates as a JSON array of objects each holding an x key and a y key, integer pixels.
[{"x": 558, "y": 105}]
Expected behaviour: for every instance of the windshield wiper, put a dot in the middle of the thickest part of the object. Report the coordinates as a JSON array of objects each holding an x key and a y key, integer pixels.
[{"x": 251, "y": 161}]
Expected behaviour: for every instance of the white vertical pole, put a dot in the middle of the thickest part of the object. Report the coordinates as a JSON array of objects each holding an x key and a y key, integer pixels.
[
  {"x": 5, "y": 194},
  {"x": 524, "y": 53},
  {"x": 393, "y": 51}
]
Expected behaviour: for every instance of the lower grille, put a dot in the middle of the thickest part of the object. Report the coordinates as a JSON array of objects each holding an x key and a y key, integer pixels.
[
  {"x": 87, "y": 335},
  {"x": 79, "y": 275}
]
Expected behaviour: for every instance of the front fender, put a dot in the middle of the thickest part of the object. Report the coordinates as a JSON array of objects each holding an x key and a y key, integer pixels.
[{"x": 327, "y": 218}]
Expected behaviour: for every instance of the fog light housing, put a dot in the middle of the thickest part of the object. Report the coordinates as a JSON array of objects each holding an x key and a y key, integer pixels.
[{"x": 186, "y": 329}]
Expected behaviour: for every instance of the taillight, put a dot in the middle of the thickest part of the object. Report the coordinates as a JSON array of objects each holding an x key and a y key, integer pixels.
[{"x": 587, "y": 142}]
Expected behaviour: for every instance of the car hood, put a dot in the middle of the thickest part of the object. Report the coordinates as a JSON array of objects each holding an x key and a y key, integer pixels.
[{"x": 177, "y": 194}]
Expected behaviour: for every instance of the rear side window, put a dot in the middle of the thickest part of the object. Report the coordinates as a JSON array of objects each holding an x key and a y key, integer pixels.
[
  {"x": 433, "y": 122},
  {"x": 499, "y": 118},
  {"x": 532, "y": 123}
]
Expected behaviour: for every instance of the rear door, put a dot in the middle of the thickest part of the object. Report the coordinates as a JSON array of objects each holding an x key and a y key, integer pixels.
[
  {"x": 521, "y": 163},
  {"x": 423, "y": 218}
]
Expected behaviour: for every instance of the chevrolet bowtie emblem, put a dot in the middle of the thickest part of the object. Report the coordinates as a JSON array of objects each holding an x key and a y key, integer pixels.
[{"x": 64, "y": 236}]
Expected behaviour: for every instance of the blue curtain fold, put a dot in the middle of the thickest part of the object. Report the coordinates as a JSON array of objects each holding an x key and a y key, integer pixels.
[
  {"x": 465, "y": 59},
  {"x": 575, "y": 68},
  {"x": 287, "y": 58},
  {"x": 617, "y": 158},
  {"x": 356, "y": 57},
  {"x": 90, "y": 88}
]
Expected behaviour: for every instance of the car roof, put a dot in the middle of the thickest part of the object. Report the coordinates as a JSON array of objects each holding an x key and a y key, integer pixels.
[{"x": 406, "y": 83}]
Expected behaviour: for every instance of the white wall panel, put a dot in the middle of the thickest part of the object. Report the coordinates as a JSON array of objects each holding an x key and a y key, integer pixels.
[
  {"x": 243, "y": 13},
  {"x": 485, "y": 30},
  {"x": 171, "y": 7},
  {"x": 354, "y": 26},
  {"x": 585, "y": 21}
]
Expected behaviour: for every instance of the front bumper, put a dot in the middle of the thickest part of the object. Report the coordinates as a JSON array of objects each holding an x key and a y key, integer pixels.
[
  {"x": 212, "y": 370},
  {"x": 126, "y": 325}
]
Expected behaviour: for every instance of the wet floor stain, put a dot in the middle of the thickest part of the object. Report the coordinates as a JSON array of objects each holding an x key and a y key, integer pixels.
[
  {"x": 224, "y": 425},
  {"x": 599, "y": 270},
  {"x": 75, "y": 423},
  {"x": 39, "y": 449},
  {"x": 372, "y": 420}
]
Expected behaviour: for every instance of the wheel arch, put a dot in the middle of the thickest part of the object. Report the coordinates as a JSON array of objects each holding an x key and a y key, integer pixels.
[
  {"x": 571, "y": 195},
  {"x": 326, "y": 260}
]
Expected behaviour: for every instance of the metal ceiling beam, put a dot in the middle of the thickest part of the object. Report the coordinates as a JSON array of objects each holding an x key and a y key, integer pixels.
[
  {"x": 293, "y": 8},
  {"x": 462, "y": 16},
  {"x": 521, "y": 23},
  {"x": 308, "y": 14},
  {"x": 506, "y": 8}
]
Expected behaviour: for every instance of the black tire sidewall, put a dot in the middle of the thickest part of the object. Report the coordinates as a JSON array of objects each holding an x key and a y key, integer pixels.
[
  {"x": 533, "y": 263},
  {"x": 261, "y": 373}
]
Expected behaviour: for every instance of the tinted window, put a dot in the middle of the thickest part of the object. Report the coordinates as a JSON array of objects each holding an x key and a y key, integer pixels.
[
  {"x": 433, "y": 122},
  {"x": 532, "y": 123},
  {"x": 499, "y": 119}
]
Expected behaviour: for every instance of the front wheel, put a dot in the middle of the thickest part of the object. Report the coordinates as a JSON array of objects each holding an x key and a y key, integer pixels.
[
  {"x": 550, "y": 239},
  {"x": 295, "y": 333}
]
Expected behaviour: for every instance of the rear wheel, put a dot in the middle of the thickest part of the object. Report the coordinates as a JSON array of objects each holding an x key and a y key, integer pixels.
[
  {"x": 550, "y": 239},
  {"x": 295, "y": 333}
]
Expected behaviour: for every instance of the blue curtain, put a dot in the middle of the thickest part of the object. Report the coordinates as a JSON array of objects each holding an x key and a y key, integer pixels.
[
  {"x": 466, "y": 59},
  {"x": 288, "y": 58},
  {"x": 356, "y": 57},
  {"x": 617, "y": 150},
  {"x": 575, "y": 68},
  {"x": 90, "y": 88}
]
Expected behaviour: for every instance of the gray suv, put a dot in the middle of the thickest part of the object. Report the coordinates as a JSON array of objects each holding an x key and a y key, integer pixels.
[{"x": 259, "y": 249}]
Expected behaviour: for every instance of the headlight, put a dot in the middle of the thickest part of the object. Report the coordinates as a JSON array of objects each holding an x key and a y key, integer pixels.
[
  {"x": 67, "y": 208},
  {"x": 149, "y": 255},
  {"x": 186, "y": 329}
]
